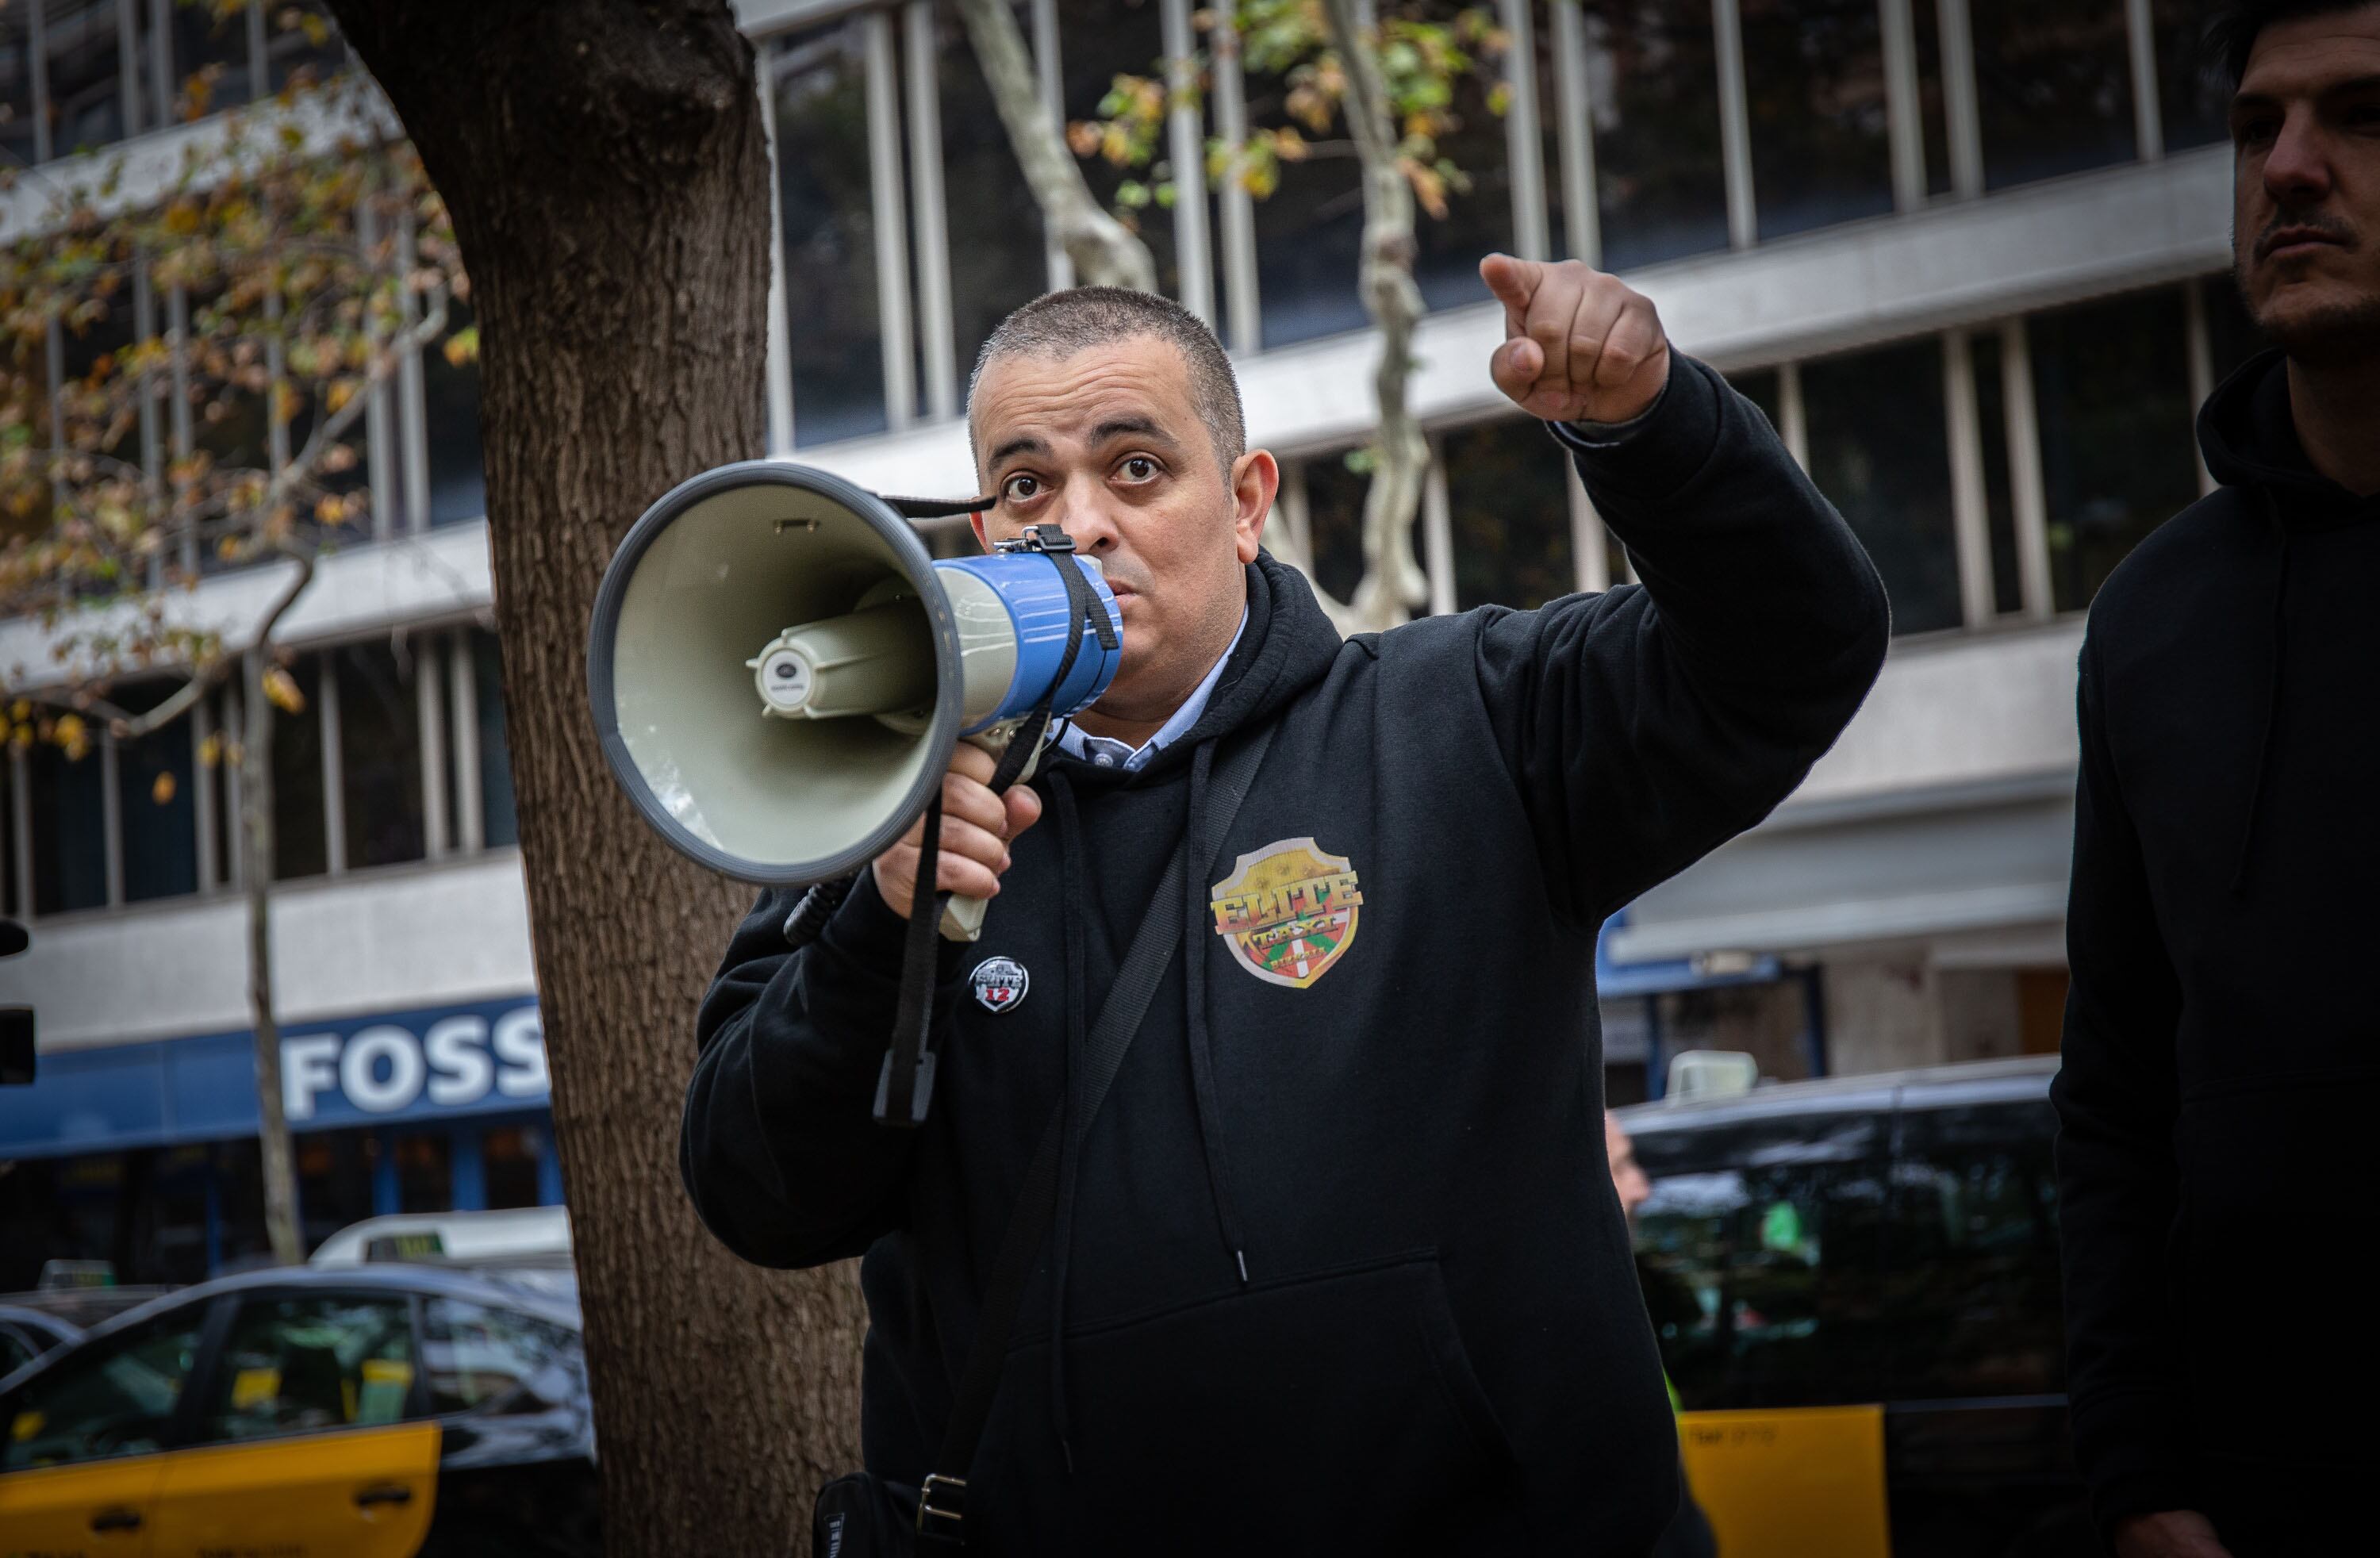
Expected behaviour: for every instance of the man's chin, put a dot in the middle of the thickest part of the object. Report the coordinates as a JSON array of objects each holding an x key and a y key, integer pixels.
[{"x": 2323, "y": 332}]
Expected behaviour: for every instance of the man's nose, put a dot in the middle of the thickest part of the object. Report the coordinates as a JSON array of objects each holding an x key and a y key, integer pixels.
[
  {"x": 2297, "y": 170},
  {"x": 1085, "y": 518}
]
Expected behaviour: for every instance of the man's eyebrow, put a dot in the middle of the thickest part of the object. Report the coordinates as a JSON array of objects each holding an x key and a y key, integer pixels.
[
  {"x": 1129, "y": 427},
  {"x": 1027, "y": 444},
  {"x": 2326, "y": 89}
]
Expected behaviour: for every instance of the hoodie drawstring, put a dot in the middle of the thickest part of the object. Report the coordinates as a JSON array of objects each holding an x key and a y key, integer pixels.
[
  {"x": 2272, "y": 700},
  {"x": 1202, "y": 1054},
  {"x": 1202, "y": 1061}
]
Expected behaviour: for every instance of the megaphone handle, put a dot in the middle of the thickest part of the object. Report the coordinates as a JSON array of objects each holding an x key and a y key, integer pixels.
[{"x": 962, "y": 919}]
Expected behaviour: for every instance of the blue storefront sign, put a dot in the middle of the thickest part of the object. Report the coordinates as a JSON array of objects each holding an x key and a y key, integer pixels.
[{"x": 384, "y": 1068}]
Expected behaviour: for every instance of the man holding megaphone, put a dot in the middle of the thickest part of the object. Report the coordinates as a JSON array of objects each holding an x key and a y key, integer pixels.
[{"x": 1258, "y": 1206}]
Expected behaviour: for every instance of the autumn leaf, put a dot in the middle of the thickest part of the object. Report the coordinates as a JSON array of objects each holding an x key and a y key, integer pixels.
[
  {"x": 281, "y": 690},
  {"x": 161, "y": 791}
]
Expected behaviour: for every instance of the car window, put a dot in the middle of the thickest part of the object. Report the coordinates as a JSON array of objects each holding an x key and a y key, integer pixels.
[
  {"x": 114, "y": 1398},
  {"x": 1974, "y": 1248},
  {"x": 16, "y": 1351},
  {"x": 301, "y": 1365},
  {"x": 1760, "y": 1251},
  {"x": 477, "y": 1355}
]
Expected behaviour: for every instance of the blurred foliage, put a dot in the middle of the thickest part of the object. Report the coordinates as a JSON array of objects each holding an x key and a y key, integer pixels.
[
  {"x": 216, "y": 333},
  {"x": 1426, "y": 51}
]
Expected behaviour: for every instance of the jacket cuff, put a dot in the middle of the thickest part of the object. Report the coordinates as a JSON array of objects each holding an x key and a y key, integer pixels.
[
  {"x": 2133, "y": 1456},
  {"x": 1658, "y": 452},
  {"x": 864, "y": 931}
]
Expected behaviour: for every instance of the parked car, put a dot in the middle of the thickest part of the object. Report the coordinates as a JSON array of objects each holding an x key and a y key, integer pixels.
[
  {"x": 519, "y": 1238},
  {"x": 1856, "y": 1287},
  {"x": 375, "y": 1411},
  {"x": 27, "y": 1334}
]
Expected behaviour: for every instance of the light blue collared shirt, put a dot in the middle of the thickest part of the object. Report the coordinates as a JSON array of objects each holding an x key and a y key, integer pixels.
[{"x": 1102, "y": 752}]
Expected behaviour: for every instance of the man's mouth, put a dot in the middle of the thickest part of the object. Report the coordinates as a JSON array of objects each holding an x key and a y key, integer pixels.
[{"x": 2298, "y": 239}]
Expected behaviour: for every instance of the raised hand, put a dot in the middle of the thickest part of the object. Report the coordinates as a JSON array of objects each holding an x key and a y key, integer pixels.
[{"x": 1578, "y": 346}]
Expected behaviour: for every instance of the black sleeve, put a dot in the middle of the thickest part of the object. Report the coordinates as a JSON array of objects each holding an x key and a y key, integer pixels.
[
  {"x": 2118, "y": 1099},
  {"x": 778, "y": 1146},
  {"x": 1648, "y": 724}
]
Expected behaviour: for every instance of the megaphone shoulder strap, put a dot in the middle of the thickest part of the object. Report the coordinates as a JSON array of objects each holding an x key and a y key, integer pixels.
[
  {"x": 942, "y": 1498},
  {"x": 906, "y": 1086}
]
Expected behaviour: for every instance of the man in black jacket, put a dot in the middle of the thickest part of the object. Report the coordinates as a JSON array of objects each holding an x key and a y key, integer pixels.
[
  {"x": 1335, "y": 1268},
  {"x": 2221, "y": 1076}
]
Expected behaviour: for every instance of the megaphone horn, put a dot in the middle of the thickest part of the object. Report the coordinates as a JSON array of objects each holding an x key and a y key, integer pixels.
[{"x": 779, "y": 670}]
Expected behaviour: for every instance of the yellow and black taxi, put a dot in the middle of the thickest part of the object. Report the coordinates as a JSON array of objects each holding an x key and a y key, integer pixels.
[
  {"x": 368, "y": 1412},
  {"x": 1856, "y": 1287}
]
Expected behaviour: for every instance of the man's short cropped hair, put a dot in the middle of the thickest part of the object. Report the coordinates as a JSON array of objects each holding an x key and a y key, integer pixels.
[
  {"x": 2231, "y": 36},
  {"x": 1062, "y": 323}
]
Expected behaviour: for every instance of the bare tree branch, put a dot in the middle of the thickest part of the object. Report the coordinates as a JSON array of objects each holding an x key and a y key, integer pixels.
[
  {"x": 1104, "y": 253},
  {"x": 1393, "y": 583}
]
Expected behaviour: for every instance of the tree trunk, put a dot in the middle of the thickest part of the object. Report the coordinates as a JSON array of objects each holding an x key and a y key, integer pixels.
[
  {"x": 1104, "y": 252},
  {"x": 1394, "y": 582},
  {"x": 256, "y": 877},
  {"x": 607, "y": 174}
]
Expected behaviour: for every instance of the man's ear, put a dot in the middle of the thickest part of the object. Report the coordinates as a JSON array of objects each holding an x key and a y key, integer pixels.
[
  {"x": 975, "y": 523},
  {"x": 1255, "y": 480}
]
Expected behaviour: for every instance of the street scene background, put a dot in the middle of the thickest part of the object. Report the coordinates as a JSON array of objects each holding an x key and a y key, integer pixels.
[{"x": 1970, "y": 257}]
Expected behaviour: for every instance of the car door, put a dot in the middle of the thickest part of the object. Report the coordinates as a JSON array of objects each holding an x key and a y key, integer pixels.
[
  {"x": 88, "y": 1439},
  {"x": 307, "y": 1442},
  {"x": 1758, "y": 1251}
]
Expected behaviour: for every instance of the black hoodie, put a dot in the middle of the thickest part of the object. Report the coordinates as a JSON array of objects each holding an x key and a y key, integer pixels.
[
  {"x": 2222, "y": 1055},
  {"x": 1338, "y": 1267}
]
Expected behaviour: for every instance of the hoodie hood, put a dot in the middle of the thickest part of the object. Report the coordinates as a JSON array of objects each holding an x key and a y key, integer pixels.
[
  {"x": 1288, "y": 646},
  {"x": 2250, "y": 440}
]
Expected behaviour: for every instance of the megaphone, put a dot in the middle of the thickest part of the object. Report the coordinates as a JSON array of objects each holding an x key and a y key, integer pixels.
[{"x": 779, "y": 670}]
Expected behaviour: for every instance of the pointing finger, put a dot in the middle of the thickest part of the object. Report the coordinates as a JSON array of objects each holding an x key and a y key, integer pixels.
[{"x": 1513, "y": 282}]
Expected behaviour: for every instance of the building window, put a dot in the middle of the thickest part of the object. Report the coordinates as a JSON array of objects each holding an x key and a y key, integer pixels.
[
  {"x": 380, "y": 755},
  {"x": 1879, "y": 447},
  {"x": 335, "y": 1170},
  {"x": 86, "y": 76},
  {"x": 1814, "y": 82},
  {"x": 1658, "y": 167},
  {"x": 301, "y": 831},
  {"x": 1335, "y": 507},
  {"x": 1999, "y": 502},
  {"x": 1509, "y": 504},
  {"x": 157, "y": 806},
  {"x": 2054, "y": 86},
  {"x": 1478, "y": 221},
  {"x": 17, "y": 142},
  {"x": 998, "y": 260},
  {"x": 69, "y": 814},
  {"x": 2193, "y": 97},
  {"x": 212, "y": 67},
  {"x": 1098, "y": 41},
  {"x": 2111, "y": 379},
  {"x": 510, "y": 1155},
  {"x": 450, "y": 394},
  {"x": 827, "y": 208},
  {"x": 496, "y": 775},
  {"x": 425, "y": 1170}
]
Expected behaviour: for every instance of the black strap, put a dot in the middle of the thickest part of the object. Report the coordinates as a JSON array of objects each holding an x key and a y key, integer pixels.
[
  {"x": 941, "y": 1503},
  {"x": 905, "y": 1087}
]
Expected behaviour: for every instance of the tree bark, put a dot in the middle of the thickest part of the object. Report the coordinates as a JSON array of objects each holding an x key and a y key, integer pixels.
[
  {"x": 607, "y": 174},
  {"x": 1393, "y": 583},
  {"x": 1104, "y": 252},
  {"x": 256, "y": 879}
]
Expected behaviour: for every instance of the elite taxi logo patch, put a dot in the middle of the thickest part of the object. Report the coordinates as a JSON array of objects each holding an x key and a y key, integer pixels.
[
  {"x": 999, "y": 983},
  {"x": 1288, "y": 911}
]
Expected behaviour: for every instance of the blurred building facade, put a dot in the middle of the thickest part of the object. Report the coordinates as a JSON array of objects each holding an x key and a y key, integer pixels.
[{"x": 1967, "y": 254}]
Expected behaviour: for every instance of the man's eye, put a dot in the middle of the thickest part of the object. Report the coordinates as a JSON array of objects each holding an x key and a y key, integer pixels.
[
  {"x": 1018, "y": 489},
  {"x": 1140, "y": 468}
]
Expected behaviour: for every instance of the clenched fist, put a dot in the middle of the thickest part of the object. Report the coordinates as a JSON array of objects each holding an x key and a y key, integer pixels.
[{"x": 1578, "y": 345}]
